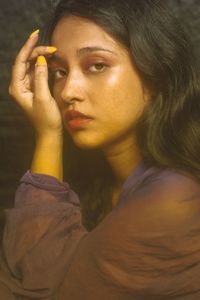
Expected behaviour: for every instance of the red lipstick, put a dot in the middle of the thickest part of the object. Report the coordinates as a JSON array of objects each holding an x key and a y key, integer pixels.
[{"x": 76, "y": 119}]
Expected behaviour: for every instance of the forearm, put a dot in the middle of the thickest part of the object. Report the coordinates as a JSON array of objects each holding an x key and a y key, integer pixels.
[
  {"x": 41, "y": 234},
  {"x": 48, "y": 156}
]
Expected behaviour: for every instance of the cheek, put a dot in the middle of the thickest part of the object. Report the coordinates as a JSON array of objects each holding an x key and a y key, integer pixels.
[
  {"x": 109, "y": 92},
  {"x": 123, "y": 94}
]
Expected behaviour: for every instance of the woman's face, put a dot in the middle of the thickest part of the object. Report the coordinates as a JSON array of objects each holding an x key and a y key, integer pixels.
[{"x": 94, "y": 75}]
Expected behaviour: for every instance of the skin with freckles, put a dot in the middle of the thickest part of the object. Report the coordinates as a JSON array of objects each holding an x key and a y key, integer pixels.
[
  {"x": 94, "y": 74},
  {"x": 103, "y": 84}
]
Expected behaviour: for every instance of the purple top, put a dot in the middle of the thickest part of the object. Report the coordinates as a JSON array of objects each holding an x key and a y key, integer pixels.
[{"x": 147, "y": 247}]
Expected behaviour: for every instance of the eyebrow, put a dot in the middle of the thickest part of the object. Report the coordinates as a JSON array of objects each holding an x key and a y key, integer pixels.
[
  {"x": 86, "y": 50},
  {"x": 83, "y": 51}
]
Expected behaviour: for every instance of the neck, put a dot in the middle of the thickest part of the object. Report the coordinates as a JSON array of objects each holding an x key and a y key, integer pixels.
[{"x": 123, "y": 158}]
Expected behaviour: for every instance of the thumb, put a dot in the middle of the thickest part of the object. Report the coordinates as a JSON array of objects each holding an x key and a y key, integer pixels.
[{"x": 41, "y": 87}]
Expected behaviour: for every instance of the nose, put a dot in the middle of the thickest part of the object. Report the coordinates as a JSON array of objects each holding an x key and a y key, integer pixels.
[{"x": 73, "y": 89}]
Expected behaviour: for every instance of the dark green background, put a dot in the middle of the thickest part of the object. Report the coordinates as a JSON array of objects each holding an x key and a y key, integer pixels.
[{"x": 18, "y": 18}]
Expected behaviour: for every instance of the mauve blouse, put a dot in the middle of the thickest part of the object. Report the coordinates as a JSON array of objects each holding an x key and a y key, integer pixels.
[{"x": 146, "y": 248}]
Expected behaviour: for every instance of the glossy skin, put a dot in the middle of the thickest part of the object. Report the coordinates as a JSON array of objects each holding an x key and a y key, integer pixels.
[{"x": 103, "y": 84}]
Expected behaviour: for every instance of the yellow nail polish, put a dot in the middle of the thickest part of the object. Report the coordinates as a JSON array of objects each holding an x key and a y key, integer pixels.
[
  {"x": 51, "y": 49},
  {"x": 34, "y": 33},
  {"x": 41, "y": 60}
]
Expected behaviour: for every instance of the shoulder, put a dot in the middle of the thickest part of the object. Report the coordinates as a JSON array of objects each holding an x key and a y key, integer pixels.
[
  {"x": 155, "y": 230},
  {"x": 170, "y": 183},
  {"x": 164, "y": 199},
  {"x": 167, "y": 183}
]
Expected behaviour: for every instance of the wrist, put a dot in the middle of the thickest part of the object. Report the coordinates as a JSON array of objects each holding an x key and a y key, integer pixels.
[
  {"x": 49, "y": 136},
  {"x": 48, "y": 155}
]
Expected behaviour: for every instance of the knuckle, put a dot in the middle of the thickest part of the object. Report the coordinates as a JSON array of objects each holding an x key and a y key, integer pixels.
[
  {"x": 40, "y": 72},
  {"x": 37, "y": 51},
  {"x": 17, "y": 59},
  {"x": 10, "y": 90}
]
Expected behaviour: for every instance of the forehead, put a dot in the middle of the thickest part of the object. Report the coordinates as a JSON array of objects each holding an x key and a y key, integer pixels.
[{"x": 82, "y": 32}]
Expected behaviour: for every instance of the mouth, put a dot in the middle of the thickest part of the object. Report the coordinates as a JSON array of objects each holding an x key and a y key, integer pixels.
[{"x": 76, "y": 119}]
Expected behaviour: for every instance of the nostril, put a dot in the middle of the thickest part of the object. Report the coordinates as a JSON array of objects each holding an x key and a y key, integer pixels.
[
  {"x": 71, "y": 101},
  {"x": 72, "y": 88}
]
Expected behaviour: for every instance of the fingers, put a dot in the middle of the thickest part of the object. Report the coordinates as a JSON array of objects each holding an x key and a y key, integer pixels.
[
  {"x": 20, "y": 66},
  {"x": 27, "y": 54},
  {"x": 29, "y": 81},
  {"x": 23, "y": 68},
  {"x": 42, "y": 50},
  {"x": 38, "y": 51},
  {"x": 26, "y": 50},
  {"x": 41, "y": 87}
]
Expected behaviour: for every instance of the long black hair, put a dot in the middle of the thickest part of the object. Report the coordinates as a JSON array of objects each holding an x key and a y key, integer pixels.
[{"x": 169, "y": 130}]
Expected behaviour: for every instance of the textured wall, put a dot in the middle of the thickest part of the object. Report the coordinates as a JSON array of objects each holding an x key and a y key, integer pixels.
[{"x": 17, "y": 20}]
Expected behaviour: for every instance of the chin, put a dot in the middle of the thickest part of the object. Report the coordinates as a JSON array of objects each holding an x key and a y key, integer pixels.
[{"x": 85, "y": 142}]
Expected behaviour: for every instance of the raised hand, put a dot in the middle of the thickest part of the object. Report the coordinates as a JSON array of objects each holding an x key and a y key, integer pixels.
[{"x": 29, "y": 87}]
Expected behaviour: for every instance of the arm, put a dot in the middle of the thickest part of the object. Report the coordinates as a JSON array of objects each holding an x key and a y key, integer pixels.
[
  {"x": 148, "y": 246},
  {"x": 48, "y": 157},
  {"x": 138, "y": 245},
  {"x": 29, "y": 88},
  {"x": 40, "y": 236}
]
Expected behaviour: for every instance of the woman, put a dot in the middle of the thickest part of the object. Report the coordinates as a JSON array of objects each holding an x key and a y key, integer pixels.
[{"x": 125, "y": 88}]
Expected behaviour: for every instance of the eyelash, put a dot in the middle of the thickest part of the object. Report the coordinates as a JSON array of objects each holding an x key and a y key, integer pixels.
[
  {"x": 55, "y": 73},
  {"x": 64, "y": 72},
  {"x": 98, "y": 64}
]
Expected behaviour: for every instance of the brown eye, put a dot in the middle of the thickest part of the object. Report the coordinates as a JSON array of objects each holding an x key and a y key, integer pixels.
[
  {"x": 59, "y": 73},
  {"x": 98, "y": 67}
]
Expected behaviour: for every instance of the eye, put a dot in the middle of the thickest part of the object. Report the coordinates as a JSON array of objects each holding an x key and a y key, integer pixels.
[
  {"x": 58, "y": 73},
  {"x": 98, "y": 67}
]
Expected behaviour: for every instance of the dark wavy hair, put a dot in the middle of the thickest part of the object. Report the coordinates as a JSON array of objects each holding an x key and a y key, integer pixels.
[{"x": 169, "y": 130}]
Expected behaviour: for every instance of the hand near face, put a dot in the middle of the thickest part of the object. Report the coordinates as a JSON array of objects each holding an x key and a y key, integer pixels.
[{"x": 29, "y": 87}]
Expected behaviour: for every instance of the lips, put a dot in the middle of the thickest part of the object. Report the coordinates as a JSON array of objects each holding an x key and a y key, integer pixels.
[
  {"x": 73, "y": 114},
  {"x": 76, "y": 120}
]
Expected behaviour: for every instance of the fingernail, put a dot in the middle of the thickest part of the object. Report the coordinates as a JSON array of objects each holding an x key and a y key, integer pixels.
[
  {"x": 41, "y": 60},
  {"x": 51, "y": 49},
  {"x": 34, "y": 33}
]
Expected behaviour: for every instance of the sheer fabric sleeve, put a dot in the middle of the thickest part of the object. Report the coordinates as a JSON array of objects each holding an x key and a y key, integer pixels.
[
  {"x": 41, "y": 234},
  {"x": 147, "y": 247}
]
